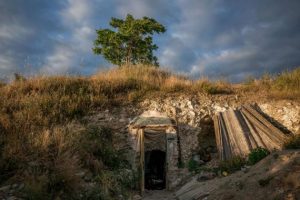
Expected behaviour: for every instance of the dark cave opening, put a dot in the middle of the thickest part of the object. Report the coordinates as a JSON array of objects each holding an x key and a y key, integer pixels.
[{"x": 155, "y": 170}]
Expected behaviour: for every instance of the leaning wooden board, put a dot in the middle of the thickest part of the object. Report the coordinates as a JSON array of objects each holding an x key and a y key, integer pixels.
[{"x": 239, "y": 131}]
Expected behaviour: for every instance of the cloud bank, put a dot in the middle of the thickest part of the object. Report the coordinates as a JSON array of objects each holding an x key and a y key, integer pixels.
[{"x": 214, "y": 38}]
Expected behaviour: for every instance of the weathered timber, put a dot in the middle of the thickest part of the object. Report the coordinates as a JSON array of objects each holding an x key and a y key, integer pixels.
[{"x": 239, "y": 131}]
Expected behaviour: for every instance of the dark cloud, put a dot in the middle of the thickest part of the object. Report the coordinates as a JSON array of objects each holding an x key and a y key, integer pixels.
[
  {"x": 176, "y": 54},
  {"x": 164, "y": 11},
  {"x": 234, "y": 39},
  {"x": 27, "y": 34},
  {"x": 214, "y": 38}
]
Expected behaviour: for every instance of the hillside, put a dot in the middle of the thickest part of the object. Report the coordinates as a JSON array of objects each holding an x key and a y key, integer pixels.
[
  {"x": 275, "y": 177},
  {"x": 66, "y": 137}
]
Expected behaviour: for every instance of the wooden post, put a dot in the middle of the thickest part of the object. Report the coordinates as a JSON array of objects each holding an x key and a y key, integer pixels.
[
  {"x": 166, "y": 161},
  {"x": 142, "y": 160}
]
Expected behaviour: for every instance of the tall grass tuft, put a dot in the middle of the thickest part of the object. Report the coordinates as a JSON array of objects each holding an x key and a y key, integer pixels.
[{"x": 285, "y": 85}]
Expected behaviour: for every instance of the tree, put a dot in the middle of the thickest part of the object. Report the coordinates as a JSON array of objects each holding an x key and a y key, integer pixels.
[{"x": 131, "y": 43}]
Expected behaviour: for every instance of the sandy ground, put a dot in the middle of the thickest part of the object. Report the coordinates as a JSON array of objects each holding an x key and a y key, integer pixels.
[{"x": 275, "y": 177}]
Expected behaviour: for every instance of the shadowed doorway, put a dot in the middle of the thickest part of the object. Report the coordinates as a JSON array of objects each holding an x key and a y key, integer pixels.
[
  {"x": 157, "y": 151},
  {"x": 155, "y": 163}
]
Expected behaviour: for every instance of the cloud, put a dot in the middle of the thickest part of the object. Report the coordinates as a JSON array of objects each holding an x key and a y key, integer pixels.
[
  {"x": 13, "y": 31},
  {"x": 231, "y": 39},
  {"x": 164, "y": 11},
  {"x": 77, "y": 42},
  {"x": 176, "y": 55},
  {"x": 26, "y": 31},
  {"x": 76, "y": 12},
  {"x": 59, "y": 61},
  {"x": 211, "y": 38}
]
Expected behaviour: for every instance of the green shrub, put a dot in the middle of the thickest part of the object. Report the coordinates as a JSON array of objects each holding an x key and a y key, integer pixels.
[
  {"x": 97, "y": 144},
  {"x": 293, "y": 142},
  {"x": 233, "y": 164},
  {"x": 257, "y": 154},
  {"x": 192, "y": 165}
]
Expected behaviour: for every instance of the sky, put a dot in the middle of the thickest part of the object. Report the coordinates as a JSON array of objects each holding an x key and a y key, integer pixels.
[{"x": 228, "y": 39}]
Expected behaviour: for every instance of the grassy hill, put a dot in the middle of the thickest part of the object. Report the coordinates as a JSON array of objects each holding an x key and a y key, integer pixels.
[{"x": 39, "y": 148}]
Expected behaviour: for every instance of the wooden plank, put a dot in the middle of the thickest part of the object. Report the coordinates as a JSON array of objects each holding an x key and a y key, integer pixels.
[
  {"x": 247, "y": 131},
  {"x": 274, "y": 130},
  {"x": 167, "y": 161},
  {"x": 239, "y": 135},
  {"x": 218, "y": 135},
  {"x": 263, "y": 130},
  {"x": 225, "y": 139},
  {"x": 255, "y": 138},
  {"x": 142, "y": 161},
  {"x": 239, "y": 131},
  {"x": 235, "y": 149}
]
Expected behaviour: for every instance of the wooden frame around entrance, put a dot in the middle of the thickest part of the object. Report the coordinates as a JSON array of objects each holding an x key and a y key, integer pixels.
[{"x": 142, "y": 156}]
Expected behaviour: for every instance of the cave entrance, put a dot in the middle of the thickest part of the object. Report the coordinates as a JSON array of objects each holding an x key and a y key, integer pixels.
[{"x": 155, "y": 173}]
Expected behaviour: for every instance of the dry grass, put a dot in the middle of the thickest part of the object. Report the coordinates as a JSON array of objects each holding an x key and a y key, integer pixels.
[
  {"x": 285, "y": 85},
  {"x": 43, "y": 101},
  {"x": 45, "y": 158},
  {"x": 49, "y": 161},
  {"x": 36, "y": 144},
  {"x": 147, "y": 79},
  {"x": 2, "y": 84}
]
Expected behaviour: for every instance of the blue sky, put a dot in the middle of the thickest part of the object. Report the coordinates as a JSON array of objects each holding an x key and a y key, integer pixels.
[{"x": 228, "y": 39}]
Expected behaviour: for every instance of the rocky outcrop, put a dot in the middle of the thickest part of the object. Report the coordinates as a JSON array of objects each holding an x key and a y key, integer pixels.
[
  {"x": 193, "y": 114},
  {"x": 190, "y": 114},
  {"x": 286, "y": 113}
]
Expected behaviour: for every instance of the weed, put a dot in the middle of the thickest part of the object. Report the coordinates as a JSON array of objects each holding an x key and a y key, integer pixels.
[
  {"x": 96, "y": 144},
  {"x": 233, "y": 164},
  {"x": 36, "y": 188},
  {"x": 257, "y": 155},
  {"x": 192, "y": 165},
  {"x": 219, "y": 87}
]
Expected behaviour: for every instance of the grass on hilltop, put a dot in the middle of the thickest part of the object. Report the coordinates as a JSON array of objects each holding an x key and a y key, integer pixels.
[{"x": 285, "y": 85}]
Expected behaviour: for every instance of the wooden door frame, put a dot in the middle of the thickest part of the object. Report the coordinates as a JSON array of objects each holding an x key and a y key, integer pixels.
[{"x": 142, "y": 159}]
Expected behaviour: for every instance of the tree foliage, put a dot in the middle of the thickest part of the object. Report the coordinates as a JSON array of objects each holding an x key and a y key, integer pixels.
[{"x": 130, "y": 42}]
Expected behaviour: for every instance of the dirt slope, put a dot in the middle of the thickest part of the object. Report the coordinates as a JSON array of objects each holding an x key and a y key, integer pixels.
[{"x": 275, "y": 177}]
